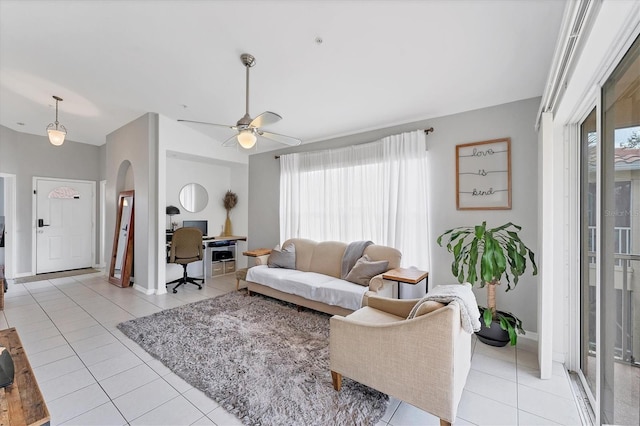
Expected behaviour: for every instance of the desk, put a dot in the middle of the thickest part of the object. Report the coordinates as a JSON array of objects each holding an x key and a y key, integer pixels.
[
  {"x": 406, "y": 276},
  {"x": 208, "y": 258},
  {"x": 223, "y": 243}
]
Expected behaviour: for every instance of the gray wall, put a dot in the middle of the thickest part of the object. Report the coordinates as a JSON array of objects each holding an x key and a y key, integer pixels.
[
  {"x": 215, "y": 179},
  {"x": 514, "y": 120},
  {"x": 102, "y": 162},
  {"x": 1, "y": 196},
  {"x": 135, "y": 143},
  {"x": 26, "y": 156}
]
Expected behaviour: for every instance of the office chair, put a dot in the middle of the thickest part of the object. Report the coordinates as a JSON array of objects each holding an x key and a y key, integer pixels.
[{"x": 186, "y": 247}]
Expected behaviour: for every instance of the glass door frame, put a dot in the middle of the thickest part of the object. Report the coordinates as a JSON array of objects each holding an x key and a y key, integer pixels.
[
  {"x": 602, "y": 397},
  {"x": 574, "y": 222}
]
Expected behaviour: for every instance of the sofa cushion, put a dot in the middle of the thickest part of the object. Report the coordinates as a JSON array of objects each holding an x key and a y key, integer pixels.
[
  {"x": 283, "y": 258},
  {"x": 304, "y": 251},
  {"x": 322, "y": 257},
  {"x": 310, "y": 285},
  {"x": 327, "y": 258},
  {"x": 365, "y": 269}
]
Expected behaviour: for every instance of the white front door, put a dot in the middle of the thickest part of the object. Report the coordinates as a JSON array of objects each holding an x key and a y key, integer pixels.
[{"x": 64, "y": 225}]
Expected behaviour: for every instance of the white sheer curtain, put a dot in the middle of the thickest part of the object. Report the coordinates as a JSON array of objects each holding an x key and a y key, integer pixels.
[{"x": 375, "y": 191}]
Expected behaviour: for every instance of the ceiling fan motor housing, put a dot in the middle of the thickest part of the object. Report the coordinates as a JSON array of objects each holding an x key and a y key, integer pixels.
[{"x": 244, "y": 121}]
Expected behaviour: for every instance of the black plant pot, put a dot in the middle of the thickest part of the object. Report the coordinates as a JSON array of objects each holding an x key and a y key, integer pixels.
[{"x": 494, "y": 335}]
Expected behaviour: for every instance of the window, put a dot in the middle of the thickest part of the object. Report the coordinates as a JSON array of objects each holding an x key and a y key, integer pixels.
[{"x": 375, "y": 191}]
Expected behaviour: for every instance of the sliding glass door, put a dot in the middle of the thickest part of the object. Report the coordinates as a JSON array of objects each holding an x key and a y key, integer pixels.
[
  {"x": 610, "y": 248},
  {"x": 589, "y": 250}
]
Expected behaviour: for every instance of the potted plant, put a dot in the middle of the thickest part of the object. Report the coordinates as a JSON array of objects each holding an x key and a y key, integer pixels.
[{"x": 496, "y": 252}]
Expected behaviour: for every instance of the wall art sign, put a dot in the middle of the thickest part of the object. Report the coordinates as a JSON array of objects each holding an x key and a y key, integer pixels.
[{"x": 483, "y": 175}]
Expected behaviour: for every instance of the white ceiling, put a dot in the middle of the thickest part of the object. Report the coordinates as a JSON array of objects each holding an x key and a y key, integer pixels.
[{"x": 380, "y": 63}]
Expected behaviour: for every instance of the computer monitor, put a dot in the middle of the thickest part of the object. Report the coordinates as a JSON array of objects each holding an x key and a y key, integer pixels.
[{"x": 200, "y": 224}]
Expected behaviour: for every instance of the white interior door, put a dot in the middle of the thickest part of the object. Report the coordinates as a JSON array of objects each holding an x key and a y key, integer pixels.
[{"x": 64, "y": 225}]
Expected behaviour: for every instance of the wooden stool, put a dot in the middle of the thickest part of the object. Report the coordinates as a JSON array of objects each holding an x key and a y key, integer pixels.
[{"x": 241, "y": 274}]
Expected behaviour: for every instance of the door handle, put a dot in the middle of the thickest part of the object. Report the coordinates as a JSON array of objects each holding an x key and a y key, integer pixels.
[{"x": 41, "y": 223}]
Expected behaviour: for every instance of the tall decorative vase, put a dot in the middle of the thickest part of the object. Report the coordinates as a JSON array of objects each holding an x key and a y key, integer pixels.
[{"x": 227, "y": 226}]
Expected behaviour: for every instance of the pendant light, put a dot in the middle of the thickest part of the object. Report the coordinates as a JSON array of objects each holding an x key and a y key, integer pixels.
[{"x": 56, "y": 131}]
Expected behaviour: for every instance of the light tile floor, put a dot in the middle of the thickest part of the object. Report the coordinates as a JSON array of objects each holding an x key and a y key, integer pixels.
[{"x": 91, "y": 374}]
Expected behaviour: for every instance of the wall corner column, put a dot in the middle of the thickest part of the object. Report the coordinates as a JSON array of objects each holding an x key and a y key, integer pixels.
[{"x": 548, "y": 250}]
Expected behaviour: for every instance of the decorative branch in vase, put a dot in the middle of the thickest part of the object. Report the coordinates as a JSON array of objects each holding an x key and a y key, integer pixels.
[{"x": 229, "y": 202}]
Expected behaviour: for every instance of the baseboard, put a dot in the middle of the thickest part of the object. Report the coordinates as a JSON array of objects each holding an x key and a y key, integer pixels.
[
  {"x": 143, "y": 290},
  {"x": 528, "y": 341},
  {"x": 530, "y": 335},
  {"x": 22, "y": 275}
]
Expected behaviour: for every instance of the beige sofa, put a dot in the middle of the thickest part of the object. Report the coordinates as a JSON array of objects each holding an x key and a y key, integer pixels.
[
  {"x": 426, "y": 359},
  {"x": 323, "y": 258}
]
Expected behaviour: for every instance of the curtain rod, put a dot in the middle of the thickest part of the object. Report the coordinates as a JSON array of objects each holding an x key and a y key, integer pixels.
[{"x": 426, "y": 132}]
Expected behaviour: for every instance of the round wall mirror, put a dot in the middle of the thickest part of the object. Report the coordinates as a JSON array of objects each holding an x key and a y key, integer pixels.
[{"x": 194, "y": 197}]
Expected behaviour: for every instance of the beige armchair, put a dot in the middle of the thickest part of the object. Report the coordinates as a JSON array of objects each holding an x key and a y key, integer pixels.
[{"x": 423, "y": 361}]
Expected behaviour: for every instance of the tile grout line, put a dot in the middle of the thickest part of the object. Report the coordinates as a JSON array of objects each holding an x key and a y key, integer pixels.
[
  {"x": 74, "y": 350},
  {"x": 116, "y": 337},
  {"x": 180, "y": 394},
  {"x": 517, "y": 389},
  {"x": 31, "y": 294},
  {"x": 536, "y": 389}
]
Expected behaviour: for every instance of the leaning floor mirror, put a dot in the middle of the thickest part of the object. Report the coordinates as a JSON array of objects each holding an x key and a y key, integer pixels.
[{"x": 122, "y": 258}]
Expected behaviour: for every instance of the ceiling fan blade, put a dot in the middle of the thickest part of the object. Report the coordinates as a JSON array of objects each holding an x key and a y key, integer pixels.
[
  {"x": 230, "y": 142},
  {"x": 265, "y": 119},
  {"x": 209, "y": 124},
  {"x": 287, "y": 140}
]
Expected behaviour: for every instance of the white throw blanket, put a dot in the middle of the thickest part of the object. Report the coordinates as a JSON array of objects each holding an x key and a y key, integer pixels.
[{"x": 461, "y": 293}]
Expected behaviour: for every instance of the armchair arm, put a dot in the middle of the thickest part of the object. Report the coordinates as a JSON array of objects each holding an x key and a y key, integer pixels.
[
  {"x": 262, "y": 260},
  {"x": 398, "y": 307}
]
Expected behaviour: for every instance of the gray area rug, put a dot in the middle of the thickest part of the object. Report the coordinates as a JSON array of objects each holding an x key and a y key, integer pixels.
[
  {"x": 259, "y": 358},
  {"x": 52, "y": 275}
]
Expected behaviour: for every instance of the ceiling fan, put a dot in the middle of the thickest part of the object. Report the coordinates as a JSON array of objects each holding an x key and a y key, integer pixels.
[{"x": 250, "y": 129}]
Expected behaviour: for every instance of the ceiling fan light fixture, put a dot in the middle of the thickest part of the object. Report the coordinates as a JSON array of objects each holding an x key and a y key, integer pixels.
[
  {"x": 56, "y": 131},
  {"x": 246, "y": 139}
]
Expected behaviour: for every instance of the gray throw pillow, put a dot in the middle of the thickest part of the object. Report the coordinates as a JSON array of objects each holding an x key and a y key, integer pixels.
[
  {"x": 283, "y": 258},
  {"x": 365, "y": 269}
]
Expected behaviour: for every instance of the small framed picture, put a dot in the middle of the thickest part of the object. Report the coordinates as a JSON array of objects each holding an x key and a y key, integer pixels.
[{"x": 483, "y": 175}]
